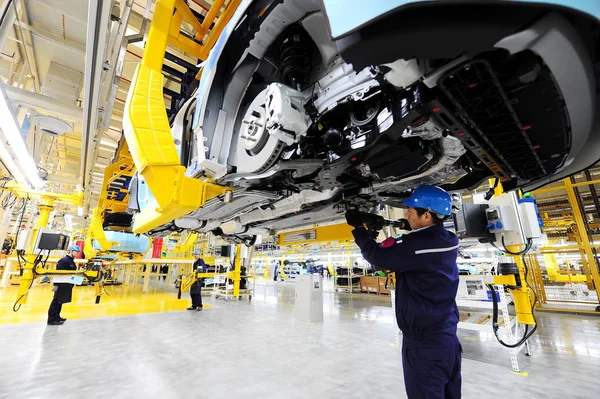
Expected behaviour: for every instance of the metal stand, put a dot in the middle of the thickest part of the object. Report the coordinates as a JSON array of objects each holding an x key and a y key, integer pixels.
[{"x": 510, "y": 334}]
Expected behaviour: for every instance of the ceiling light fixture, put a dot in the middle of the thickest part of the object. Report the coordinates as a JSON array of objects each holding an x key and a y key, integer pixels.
[
  {"x": 10, "y": 164},
  {"x": 69, "y": 222},
  {"x": 12, "y": 133}
]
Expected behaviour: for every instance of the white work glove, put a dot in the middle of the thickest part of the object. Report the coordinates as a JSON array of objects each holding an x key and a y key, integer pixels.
[{"x": 54, "y": 288}]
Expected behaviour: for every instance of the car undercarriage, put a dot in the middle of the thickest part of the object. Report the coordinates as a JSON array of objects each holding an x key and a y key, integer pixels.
[{"x": 301, "y": 125}]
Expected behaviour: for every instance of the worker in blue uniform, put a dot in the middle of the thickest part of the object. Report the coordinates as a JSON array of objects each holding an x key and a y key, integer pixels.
[
  {"x": 63, "y": 292},
  {"x": 196, "y": 288},
  {"x": 426, "y": 284}
]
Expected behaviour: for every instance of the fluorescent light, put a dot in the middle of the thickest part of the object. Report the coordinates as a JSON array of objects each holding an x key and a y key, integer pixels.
[
  {"x": 69, "y": 222},
  {"x": 12, "y": 132},
  {"x": 10, "y": 164},
  {"x": 79, "y": 211}
]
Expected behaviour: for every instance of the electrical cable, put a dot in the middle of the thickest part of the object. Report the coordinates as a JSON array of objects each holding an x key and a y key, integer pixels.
[
  {"x": 526, "y": 334},
  {"x": 33, "y": 274},
  {"x": 523, "y": 252},
  {"x": 19, "y": 255}
]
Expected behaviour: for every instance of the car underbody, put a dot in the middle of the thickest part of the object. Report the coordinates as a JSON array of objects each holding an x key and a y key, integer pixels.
[{"x": 302, "y": 126}]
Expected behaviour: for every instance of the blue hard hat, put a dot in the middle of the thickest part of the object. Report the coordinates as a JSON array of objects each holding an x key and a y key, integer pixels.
[
  {"x": 432, "y": 198},
  {"x": 75, "y": 248},
  {"x": 196, "y": 252}
]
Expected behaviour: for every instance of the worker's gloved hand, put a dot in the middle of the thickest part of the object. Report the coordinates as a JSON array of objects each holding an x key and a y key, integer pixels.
[
  {"x": 404, "y": 225},
  {"x": 354, "y": 218},
  {"x": 373, "y": 233},
  {"x": 54, "y": 288}
]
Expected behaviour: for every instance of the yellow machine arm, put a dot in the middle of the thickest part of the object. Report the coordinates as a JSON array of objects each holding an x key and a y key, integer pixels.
[
  {"x": 113, "y": 199},
  {"x": 96, "y": 232},
  {"x": 145, "y": 123}
]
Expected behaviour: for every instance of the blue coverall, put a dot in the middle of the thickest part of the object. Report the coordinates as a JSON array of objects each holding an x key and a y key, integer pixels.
[
  {"x": 426, "y": 284},
  {"x": 196, "y": 288},
  {"x": 64, "y": 291}
]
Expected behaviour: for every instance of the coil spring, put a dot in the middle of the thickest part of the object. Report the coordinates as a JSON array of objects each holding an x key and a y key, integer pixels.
[{"x": 295, "y": 61}]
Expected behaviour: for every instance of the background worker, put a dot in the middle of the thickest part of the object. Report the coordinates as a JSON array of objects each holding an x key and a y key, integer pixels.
[
  {"x": 196, "y": 288},
  {"x": 426, "y": 284},
  {"x": 62, "y": 291}
]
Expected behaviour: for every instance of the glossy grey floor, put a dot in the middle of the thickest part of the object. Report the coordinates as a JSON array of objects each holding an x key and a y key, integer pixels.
[{"x": 258, "y": 350}]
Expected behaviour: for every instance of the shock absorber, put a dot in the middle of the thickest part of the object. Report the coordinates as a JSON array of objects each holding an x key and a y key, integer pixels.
[{"x": 295, "y": 60}]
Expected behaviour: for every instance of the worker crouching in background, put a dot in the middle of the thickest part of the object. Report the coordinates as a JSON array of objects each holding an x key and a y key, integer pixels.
[
  {"x": 426, "y": 284},
  {"x": 63, "y": 292},
  {"x": 196, "y": 288}
]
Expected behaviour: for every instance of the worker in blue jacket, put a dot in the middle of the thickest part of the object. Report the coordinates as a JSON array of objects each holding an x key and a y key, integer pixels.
[
  {"x": 196, "y": 288},
  {"x": 62, "y": 291},
  {"x": 426, "y": 284}
]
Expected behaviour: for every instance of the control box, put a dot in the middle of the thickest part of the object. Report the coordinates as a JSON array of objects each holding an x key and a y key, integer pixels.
[
  {"x": 529, "y": 218},
  {"x": 52, "y": 241},
  {"x": 500, "y": 219},
  {"x": 470, "y": 221},
  {"x": 225, "y": 251}
]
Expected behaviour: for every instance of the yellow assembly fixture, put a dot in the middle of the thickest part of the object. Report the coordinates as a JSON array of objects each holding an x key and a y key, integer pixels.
[
  {"x": 108, "y": 203},
  {"x": 30, "y": 267},
  {"x": 235, "y": 275},
  {"x": 146, "y": 125},
  {"x": 522, "y": 295}
]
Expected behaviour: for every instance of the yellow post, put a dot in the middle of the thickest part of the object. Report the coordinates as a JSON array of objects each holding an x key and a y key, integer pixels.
[
  {"x": 522, "y": 296},
  {"x": 237, "y": 270},
  {"x": 27, "y": 278},
  {"x": 266, "y": 275},
  {"x": 587, "y": 267},
  {"x": 281, "y": 269},
  {"x": 585, "y": 240}
]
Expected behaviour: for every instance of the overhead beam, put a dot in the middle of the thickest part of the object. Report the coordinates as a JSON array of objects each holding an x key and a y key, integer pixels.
[
  {"x": 97, "y": 28},
  {"x": 44, "y": 34},
  {"x": 9, "y": 20},
  {"x": 66, "y": 12}
]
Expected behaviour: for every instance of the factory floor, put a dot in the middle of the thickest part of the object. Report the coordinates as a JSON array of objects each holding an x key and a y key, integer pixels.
[{"x": 258, "y": 350}]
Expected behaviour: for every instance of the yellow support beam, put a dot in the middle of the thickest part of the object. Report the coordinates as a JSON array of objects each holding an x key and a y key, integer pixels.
[
  {"x": 336, "y": 232},
  {"x": 583, "y": 235},
  {"x": 75, "y": 199}
]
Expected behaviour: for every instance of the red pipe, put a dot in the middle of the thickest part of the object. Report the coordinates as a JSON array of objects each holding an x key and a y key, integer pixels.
[
  {"x": 134, "y": 54},
  {"x": 200, "y": 5}
]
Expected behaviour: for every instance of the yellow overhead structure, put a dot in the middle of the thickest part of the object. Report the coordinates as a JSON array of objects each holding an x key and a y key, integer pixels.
[{"x": 145, "y": 123}]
